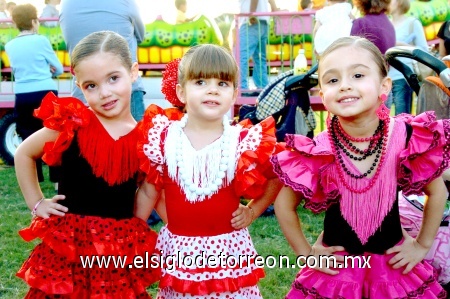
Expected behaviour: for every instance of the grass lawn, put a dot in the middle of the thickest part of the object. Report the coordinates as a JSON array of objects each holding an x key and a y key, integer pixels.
[{"x": 14, "y": 215}]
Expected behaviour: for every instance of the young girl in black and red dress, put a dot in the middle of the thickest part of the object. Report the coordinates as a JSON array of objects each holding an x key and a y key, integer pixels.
[{"x": 93, "y": 213}]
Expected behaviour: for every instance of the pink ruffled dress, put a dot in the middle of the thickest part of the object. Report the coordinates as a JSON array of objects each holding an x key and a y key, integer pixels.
[
  {"x": 203, "y": 226},
  {"x": 366, "y": 224}
]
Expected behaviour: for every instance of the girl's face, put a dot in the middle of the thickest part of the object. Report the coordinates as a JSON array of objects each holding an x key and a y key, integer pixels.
[
  {"x": 351, "y": 83},
  {"x": 208, "y": 99},
  {"x": 106, "y": 84}
]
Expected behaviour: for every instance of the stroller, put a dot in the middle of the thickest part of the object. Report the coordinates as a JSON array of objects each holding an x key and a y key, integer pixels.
[
  {"x": 286, "y": 98},
  {"x": 432, "y": 94}
]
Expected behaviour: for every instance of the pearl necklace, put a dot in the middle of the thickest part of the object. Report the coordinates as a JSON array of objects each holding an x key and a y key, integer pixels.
[{"x": 198, "y": 186}]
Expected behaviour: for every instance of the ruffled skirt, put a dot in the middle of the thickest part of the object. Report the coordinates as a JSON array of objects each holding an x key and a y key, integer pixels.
[
  {"x": 380, "y": 281},
  {"x": 58, "y": 266},
  {"x": 219, "y": 266}
]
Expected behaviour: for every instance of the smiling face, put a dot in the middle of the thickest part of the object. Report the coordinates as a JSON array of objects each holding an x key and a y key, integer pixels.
[
  {"x": 208, "y": 99},
  {"x": 106, "y": 84},
  {"x": 351, "y": 83}
]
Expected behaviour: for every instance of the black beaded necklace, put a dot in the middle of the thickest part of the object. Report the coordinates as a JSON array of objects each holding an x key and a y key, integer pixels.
[{"x": 378, "y": 149}]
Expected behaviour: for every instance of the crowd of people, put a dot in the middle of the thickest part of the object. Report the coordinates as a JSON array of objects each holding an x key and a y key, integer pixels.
[{"x": 192, "y": 164}]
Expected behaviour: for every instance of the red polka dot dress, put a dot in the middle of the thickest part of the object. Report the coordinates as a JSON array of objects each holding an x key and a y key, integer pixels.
[
  {"x": 204, "y": 257},
  {"x": 99, "y": 180}
]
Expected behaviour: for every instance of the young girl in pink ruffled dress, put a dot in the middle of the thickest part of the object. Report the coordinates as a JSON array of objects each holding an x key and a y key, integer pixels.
[
  {"x": 354, "y": 171},
  {"x": 204, "y": 165},
  {"x": 92, "y": 216}
]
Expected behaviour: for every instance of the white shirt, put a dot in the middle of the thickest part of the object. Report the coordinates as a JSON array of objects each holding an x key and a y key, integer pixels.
[{"x": 263, "y": 6}]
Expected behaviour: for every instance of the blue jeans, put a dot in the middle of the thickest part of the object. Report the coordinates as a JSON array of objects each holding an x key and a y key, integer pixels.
[
  {"x": 137, "y": 104},
  {"x": 253, "y": 43},
  {"x": 400, "y": 96}
]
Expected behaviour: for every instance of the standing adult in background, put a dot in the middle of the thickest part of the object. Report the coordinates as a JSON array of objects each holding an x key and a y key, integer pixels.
[
  {"x": 374, "y": 23},
  {"x": 253, "y": 36},
  {"x": 408, "y": 32},
  {"x": 79, "y": 18},
  {"x": 33, "y": 71}
]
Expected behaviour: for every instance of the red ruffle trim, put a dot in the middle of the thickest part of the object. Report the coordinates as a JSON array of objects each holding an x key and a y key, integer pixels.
[
  {"x": 213, "y": 285},
  {"x": 150, "y": 168},
  {"x": 301, "y": 167},
  {"x": 252, "y": 168},
  {"x": 73, "y": 236},
  {"x": 428, "y": 153},
  {"x": 49, "y": 273},
  {"x": 65, "y": 115}
]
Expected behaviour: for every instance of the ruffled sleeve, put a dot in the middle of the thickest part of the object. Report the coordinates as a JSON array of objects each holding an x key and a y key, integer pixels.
[
  {"x": 64, "y": 115},
  {"x": 254, "y": 168},
  {"x": 150, "y": 144},
  {"x": 427, "y": 153},
  {"x": 301, "y": 167}
]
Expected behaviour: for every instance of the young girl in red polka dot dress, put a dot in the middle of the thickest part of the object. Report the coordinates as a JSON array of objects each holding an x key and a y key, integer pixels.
[
  {"x": 93, "y": 213},
  {"x": 204, "y": 165}
]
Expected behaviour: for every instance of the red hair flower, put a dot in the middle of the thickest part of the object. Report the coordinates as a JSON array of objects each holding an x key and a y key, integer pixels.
[{"x": 169, "y": 83}]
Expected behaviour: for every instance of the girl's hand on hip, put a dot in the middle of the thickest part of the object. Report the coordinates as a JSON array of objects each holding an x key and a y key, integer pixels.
[
  {"x": 242, "y": 217},
  {"x": 50, "y": 206},
  {"x": 323, "y": 253},
  {"x": 409, "y": 253}
]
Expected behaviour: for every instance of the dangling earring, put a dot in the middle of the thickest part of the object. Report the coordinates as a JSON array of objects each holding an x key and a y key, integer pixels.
[{"x": 383, "y": 111}]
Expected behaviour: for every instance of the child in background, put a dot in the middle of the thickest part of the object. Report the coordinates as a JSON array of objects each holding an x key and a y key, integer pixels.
[
  {"x": 332, "y": 22},
  {"x": 204, "y": 165},
  {"x": 93, "y": 213},
  {"x": 50, "y": 11},
  {"x": 354, "y": 171},
  {"x": 10, "y": 7}
]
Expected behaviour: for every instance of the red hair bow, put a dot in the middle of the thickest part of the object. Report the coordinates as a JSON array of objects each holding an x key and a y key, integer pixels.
[{"x": 169, "y": 83}]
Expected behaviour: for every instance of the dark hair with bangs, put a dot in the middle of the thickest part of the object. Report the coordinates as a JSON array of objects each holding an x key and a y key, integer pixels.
[
  {"x": 362, "y": 43},
  {"x": 208, "y": 61},
  {"x": 372, "y": 6}
]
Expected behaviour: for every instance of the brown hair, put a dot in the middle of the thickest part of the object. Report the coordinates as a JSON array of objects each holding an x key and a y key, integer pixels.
[
  {"x": 102, "y": 42},
  {"x": 362, "y": 43},
  {"x": 403, "y": 6},
  {"x": 23, "y": 16},
  {"x": 178, "y": 3},
  {"x": 208, "y": 61},
  {"x": 372, "y": 6}
]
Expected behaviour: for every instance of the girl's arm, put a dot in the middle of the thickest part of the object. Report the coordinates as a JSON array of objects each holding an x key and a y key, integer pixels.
[
  {"x": 412, "y": 251},
  {"x": 245, "y": 215},
  {"x": 145, "y": 201},
  {"x": 286, "y": 211},
  {"x": 25, "y": 158},
  {"x": 432, "y": 212},
  {"x": 161, "y": 207}
]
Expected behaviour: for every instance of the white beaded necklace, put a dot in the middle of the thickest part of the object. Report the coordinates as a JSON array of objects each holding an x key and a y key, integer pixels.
[{"x": 201, "y": 173}]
